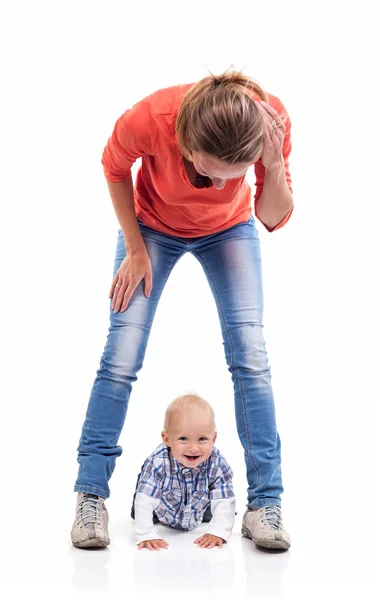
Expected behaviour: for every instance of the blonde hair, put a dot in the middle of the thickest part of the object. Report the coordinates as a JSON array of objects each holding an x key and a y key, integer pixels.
[
  {"x": 188, "y": 403},
  {"x": 217, "y": 117}
]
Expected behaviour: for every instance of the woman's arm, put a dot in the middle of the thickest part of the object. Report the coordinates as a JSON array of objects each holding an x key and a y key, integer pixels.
[
  {"x": 276, "y": 200},
  {"x": 123, "y": 202},
  {"x": 273, "y": 198},
  {"x": 136, "y": 264},
  {"x": 134, "y": 135}
]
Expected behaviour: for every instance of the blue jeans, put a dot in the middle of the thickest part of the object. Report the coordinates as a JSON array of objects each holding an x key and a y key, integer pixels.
[{"x": 231, "y": 260}]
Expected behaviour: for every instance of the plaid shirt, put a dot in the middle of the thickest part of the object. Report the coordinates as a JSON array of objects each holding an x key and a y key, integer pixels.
[{"x": 184, "y": 493}]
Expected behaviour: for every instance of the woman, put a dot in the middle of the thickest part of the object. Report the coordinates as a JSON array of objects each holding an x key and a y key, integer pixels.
[{"x": 196, "y": 142}]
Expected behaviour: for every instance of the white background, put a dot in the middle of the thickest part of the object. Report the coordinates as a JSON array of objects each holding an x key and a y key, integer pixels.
[{"x": 69, "y": 69}]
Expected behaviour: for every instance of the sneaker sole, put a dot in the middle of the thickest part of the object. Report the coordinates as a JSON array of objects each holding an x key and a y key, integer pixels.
[
  {"x": 272, "y": 544},
  {"x": 92, "y": 543}
]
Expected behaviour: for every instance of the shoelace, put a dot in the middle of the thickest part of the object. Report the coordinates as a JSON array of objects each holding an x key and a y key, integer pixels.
[
  {"x": 88, "y": 510},
  {"x": 273, "y": 515}
]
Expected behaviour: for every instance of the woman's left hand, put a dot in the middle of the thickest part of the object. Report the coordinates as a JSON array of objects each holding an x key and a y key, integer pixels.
[{"x": 271, "y": 157}]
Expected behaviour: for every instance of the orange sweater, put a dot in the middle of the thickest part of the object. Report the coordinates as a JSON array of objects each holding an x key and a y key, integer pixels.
[{"x": 165, "y": 199}]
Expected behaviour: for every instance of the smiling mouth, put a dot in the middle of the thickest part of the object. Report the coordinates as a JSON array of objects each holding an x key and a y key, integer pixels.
[{"x": 191, "y": 457}]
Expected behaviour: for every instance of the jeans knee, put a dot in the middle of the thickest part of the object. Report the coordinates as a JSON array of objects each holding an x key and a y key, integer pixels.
[
  {"x": 248, "y": 350},
  {"x": 120, "y": 372},
  {"x": 124, "y": 354}
]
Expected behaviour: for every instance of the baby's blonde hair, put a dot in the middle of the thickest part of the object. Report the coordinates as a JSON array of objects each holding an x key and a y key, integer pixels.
[{"x": 188, "y": 402}]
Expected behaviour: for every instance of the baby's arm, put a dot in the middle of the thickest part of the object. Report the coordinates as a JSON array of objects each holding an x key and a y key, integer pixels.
[
  {"x": 223, "y": 517},
  {"x": 222, "y": 499},
  {"x": 145, "y": 530}
]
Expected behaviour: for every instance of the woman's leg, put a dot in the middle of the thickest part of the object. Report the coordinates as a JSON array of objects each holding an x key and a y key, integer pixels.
[
  {"x": 232, "y": 263},
  {"x": 121, "y": 360}
]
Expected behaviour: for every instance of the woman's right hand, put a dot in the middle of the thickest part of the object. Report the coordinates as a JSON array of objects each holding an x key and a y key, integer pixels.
[{"x": 135, "y": 267}]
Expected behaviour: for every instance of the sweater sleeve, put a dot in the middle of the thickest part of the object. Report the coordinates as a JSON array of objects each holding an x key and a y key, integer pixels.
[
  {"x": 223, "y": 518},
  {"x": 144, "y": 527},
  {"x": 134, "y": 135},
  {"x": 260, "y": 169}
]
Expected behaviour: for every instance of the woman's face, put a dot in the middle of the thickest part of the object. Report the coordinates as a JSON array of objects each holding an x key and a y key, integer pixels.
[{"x": 217, "y": 170}]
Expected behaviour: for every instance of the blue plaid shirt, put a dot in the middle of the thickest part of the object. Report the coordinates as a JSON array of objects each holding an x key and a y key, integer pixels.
[{"x": 184, "y": 493}]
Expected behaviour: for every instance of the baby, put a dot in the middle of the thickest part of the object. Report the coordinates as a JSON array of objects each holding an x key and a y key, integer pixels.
[{"x": 186, "y": 480}]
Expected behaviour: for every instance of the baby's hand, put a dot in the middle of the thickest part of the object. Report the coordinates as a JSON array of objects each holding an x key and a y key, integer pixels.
[
  {"x": 208, "y": 541},
  {"x": 153, "y": 545}
]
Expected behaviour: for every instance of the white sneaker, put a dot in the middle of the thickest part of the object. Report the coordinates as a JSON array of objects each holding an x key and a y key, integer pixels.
[
  {"x": 90, "y": 528},
  {"x": 264, "y": 527}
]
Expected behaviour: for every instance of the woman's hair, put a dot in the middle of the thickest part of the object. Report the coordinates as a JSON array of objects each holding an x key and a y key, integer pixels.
[
  {"x": 188, "y": 403},
  {"x": 217, "y": 117}
]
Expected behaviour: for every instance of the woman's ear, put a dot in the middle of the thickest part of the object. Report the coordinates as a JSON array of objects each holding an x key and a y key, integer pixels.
[{"x": 165, "y": 438}]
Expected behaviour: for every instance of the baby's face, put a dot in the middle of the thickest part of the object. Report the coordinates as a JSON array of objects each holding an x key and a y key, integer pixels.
[{"x": 190, "y": 437}]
